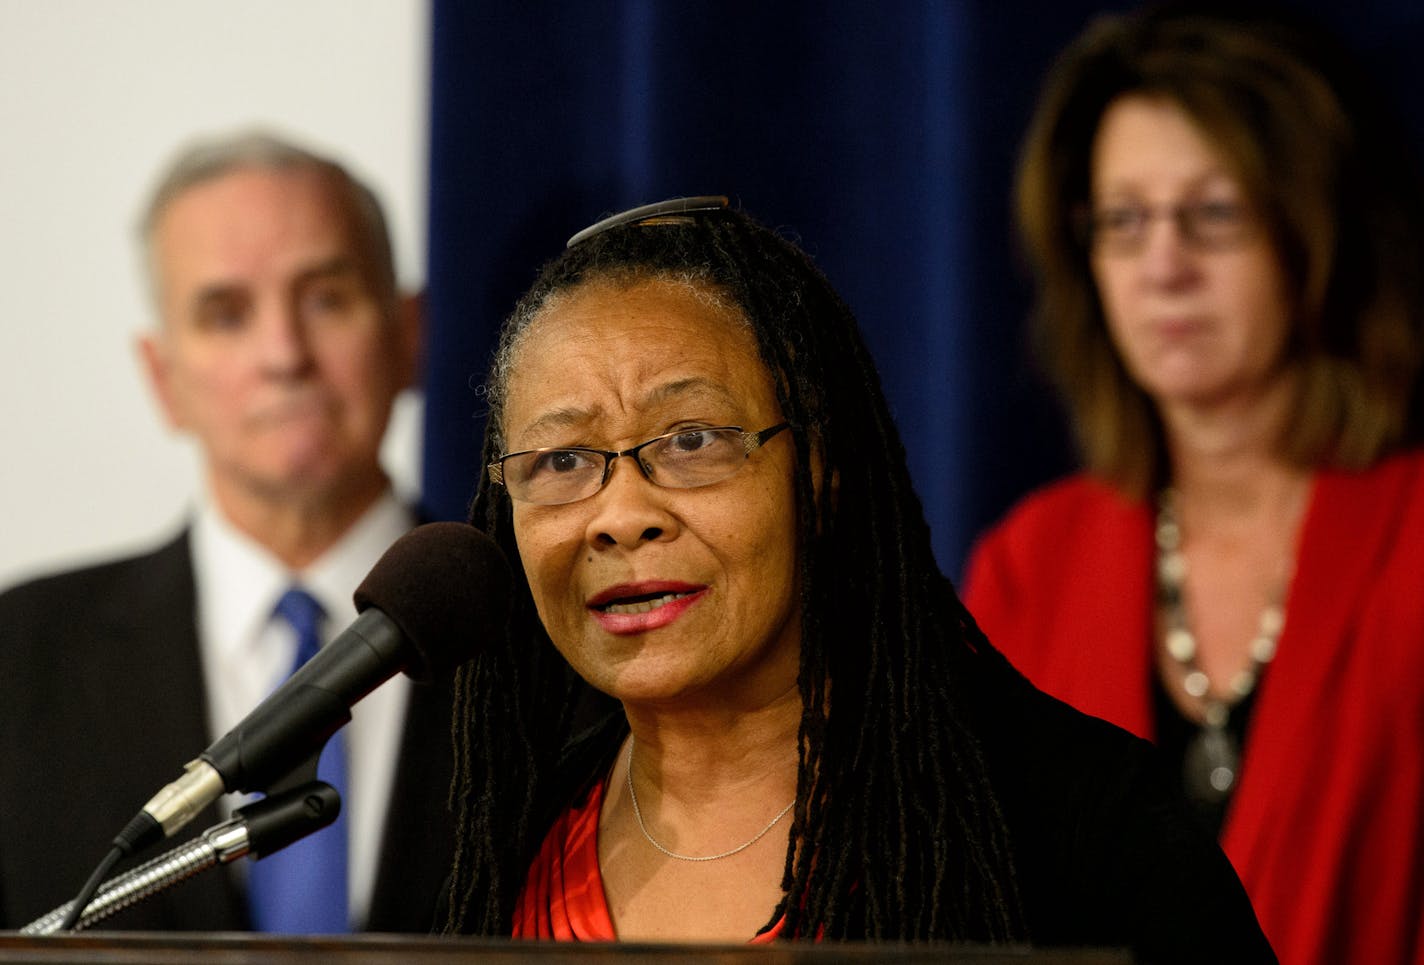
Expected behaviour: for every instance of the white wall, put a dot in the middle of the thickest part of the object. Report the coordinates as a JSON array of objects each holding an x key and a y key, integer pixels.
[{"x": 95, "y": 96}]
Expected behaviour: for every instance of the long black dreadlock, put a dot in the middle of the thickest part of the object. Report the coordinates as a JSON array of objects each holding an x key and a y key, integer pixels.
[{"x": 897, "y": 833}]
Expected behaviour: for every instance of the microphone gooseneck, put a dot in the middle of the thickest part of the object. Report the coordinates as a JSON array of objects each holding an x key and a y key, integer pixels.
[
  {"x": 432, "y": 599},
  {"x": 259, "y": 829}
]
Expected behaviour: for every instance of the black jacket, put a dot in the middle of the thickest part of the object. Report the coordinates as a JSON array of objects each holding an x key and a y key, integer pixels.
[
  {"x": 1105, "y": 852},
  {"x": 101, "y": 704}
]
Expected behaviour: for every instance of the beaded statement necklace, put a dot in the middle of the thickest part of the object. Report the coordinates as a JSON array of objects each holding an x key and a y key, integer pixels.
[
  {"x": 633, "y": 796},
  {"x": 1212, "y": 764}
]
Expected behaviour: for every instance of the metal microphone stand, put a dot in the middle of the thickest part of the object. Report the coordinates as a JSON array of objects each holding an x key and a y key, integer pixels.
[{"x": 260, "y": 829}]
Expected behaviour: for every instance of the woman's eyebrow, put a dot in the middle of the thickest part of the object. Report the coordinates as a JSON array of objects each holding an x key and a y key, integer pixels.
[
  {"x": 562, "y": 418},
  {"x": 692, "y": 387}
]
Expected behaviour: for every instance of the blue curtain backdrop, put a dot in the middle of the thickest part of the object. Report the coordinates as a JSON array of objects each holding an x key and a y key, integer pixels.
[{"x": 883, "y": 136}]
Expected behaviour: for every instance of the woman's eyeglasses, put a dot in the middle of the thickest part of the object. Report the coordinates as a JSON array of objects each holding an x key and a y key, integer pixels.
[
  {"x": 685, "y": 459},
  {"x": 1121, "y": 229}
]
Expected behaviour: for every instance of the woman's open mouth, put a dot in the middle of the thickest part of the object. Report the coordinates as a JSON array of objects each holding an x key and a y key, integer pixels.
[
  {"x": 644, "y": 604},
  {"x": 623, "y": 610}
]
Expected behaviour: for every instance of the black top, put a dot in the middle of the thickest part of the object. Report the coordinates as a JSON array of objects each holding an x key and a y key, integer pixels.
[
  {"x": 1105, "y": 852},
  {"x": 1175, "y": 737}
]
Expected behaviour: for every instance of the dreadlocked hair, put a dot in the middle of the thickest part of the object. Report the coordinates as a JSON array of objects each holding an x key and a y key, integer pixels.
[{"x": 897, "y": 834}]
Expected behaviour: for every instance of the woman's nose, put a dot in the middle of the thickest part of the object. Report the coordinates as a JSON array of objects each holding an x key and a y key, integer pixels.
[
  {"x": 1167, "y": 258},
  {"x": 629, "y": 509}
]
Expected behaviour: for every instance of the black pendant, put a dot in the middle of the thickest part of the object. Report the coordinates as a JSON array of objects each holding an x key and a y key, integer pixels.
[{"x": 1212, "y": 765}]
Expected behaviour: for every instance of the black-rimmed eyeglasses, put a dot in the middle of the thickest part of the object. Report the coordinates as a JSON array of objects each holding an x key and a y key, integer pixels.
[{"x": 685, "y": 459}]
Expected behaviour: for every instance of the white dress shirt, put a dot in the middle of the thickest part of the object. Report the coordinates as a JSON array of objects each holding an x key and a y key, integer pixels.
[{"x": 246, "y": 653}]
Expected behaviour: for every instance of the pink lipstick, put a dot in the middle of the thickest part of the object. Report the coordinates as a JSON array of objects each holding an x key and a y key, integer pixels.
[{"x": 640, "y": 607}]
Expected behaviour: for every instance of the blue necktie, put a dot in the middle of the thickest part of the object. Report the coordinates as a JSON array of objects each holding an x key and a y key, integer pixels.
[{"x": 302, "y": 888}]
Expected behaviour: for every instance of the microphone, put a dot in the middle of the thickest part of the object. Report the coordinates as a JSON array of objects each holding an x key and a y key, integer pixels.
[
  {"x": 426, "y": 606},
  {"x": 261, "y": 828}
]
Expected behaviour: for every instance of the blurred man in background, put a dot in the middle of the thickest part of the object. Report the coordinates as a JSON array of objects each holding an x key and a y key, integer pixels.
[{"x": 282, "y": 342}]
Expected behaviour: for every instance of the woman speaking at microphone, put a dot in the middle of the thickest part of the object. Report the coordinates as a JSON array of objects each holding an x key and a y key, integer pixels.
[{"x": 737, "y": 700}]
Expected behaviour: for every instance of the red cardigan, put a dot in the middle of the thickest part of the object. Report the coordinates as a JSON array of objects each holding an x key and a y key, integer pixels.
[{"x": 1326, "y": 829}]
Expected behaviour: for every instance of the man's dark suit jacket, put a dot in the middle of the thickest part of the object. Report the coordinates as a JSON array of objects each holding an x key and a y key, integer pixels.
[{"x": 102, "y": 703}]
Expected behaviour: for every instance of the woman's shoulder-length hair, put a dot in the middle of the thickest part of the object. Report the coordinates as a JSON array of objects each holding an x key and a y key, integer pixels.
[{"x": 1329, "y": 175}]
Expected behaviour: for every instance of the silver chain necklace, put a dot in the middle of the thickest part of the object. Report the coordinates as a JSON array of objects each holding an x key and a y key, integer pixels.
[
  {"x": 633, "y": 796},
  {"x": 1213, "y": 760}
]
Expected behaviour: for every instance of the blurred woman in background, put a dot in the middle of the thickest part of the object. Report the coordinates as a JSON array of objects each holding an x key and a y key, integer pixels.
[{"x": 1226, "y": 236}]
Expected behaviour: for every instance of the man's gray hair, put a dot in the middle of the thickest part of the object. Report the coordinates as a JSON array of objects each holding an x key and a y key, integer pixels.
[{"x": 209, "y": 159}]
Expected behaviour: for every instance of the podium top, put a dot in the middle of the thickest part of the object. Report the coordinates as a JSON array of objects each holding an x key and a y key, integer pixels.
[{"x": 172, "y": 948}]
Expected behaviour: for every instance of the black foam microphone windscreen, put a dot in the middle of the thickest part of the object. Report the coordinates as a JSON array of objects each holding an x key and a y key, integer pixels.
[
  {"x": 443, "y": 584},
  {"x": 437, "y": 595}
]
